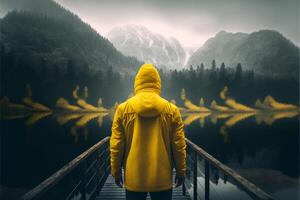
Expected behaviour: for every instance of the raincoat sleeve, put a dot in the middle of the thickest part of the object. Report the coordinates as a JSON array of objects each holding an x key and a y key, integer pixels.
[
  {"x": 117, "y": 144},
  {"x": 179, "y": 144}
]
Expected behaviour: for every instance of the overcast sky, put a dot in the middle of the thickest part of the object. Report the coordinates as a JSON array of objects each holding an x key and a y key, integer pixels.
[{"x": 192, "y": 22}]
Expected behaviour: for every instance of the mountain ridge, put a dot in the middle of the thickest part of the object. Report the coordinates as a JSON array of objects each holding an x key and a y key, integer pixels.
[
  {"x": 266, "y": 52},
  {"x": 96, "y": 51}
]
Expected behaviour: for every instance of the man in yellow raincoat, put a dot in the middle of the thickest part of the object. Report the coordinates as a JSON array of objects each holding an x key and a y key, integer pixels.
[{"x": 147, "y": 140}]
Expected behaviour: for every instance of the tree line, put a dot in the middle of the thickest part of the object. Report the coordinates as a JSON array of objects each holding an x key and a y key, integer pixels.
[{"x": 49, "y": 82}]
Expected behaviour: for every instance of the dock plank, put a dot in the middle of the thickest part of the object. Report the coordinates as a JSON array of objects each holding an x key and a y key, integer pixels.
[{"x": 111, "y": 191}]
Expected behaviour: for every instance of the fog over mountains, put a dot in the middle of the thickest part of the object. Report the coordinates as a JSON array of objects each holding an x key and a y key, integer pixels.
[
  {"x": 145, "y": 45},
  {"x": 266, "y": 52}
]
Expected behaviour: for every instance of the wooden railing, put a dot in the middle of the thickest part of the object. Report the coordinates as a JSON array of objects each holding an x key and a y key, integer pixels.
[
  {"x": 203, "y": 174},
  {"x": 82, "y": 178}
]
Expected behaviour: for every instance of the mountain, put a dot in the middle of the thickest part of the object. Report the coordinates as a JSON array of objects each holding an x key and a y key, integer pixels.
[
  {"x": 47, "y": 7},
  {"x": 266, "y": 52},
  {"x": 145, "y": 45},
  {"x": 43, "y": 30}
]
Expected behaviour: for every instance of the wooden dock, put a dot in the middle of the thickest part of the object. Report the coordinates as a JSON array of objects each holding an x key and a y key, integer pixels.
[
  {"x": 111, "y": 191},
  {"x": 87, "y": 177}
]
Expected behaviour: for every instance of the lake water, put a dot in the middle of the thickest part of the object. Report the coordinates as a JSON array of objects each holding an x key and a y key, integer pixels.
[{"x": 263, "y": 150}]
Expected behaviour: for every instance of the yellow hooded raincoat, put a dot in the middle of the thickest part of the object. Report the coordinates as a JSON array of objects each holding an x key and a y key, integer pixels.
[{"x": 147, "y": 137}]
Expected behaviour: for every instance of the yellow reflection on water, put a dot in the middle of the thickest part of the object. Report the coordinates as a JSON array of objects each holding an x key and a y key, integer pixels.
[
  {"x": 216, "y": 116},
  {"x": 86, "y": 118},
  {"x": 270, "y": 117},
  {"x": 36, "y": 117},
  {"x": 224, "y": 133},
  {"x": 236, "y": 118},
  {"x": 65, "y": 118},
  {"x": 191, "y": 117}
]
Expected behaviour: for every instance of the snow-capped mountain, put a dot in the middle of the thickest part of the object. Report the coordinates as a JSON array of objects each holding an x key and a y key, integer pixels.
[{"x": 147, "y": 46}]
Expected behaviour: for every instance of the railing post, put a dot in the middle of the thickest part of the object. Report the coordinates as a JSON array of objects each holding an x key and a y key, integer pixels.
[
  {"x": 83, "y": 180},
  {"x": 106, "y": 153},
  {"x": 98, "y": 172},
  {"x": 206, "y": 180},
  {"x": 195, "y": 175}
]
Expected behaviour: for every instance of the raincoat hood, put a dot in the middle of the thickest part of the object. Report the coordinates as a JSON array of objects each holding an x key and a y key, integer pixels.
[
  {"x": 148, "y": 79},
  {"x": 147, "y": 85}
]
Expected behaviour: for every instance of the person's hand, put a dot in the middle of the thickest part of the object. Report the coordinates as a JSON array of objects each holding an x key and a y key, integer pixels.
[
  {"x": 119, "y": 182},
  {"x": 179, "y": 181}
]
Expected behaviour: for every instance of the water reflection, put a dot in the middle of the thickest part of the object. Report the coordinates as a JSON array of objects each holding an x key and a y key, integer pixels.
[
  {"x": 271, "y": 117},
  {"x": 34, "y": 118},
  {"x": 221, "y": 186},
  {"x": 251, "y": 140},
  {"x": 81, "y": 114},
  {"x": 81, "y": 119}
]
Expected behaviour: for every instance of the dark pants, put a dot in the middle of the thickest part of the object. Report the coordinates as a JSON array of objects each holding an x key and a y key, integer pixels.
[{"x": 161, "y": 195}]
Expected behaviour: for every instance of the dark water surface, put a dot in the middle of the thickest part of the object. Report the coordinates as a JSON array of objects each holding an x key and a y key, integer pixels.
[{"x": 267, "y": 155}]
